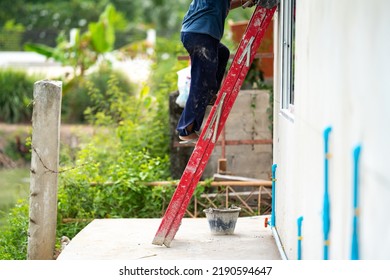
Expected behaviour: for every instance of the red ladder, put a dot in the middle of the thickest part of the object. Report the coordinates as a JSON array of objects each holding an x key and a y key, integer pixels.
[{"x": 243, "y": 58}]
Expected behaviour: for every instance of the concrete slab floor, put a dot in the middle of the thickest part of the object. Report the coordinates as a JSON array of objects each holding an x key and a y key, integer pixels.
[{"x": 131, "y": 239}]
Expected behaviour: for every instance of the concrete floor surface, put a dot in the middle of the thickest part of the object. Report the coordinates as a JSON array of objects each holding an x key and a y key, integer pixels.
[{"x": 131, "y": 239}]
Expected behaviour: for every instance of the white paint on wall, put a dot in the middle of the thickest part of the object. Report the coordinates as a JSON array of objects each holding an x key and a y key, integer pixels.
[{"x": 342, "y": 81}]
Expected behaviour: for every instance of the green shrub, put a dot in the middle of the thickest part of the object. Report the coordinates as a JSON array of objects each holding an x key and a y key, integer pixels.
[
  {"x": 13, "y": 186},
  {"x": 13, "y": 237},
  {"x": 128, "y": 148},
  {"x": 76, "y": 96},
  {"x": 11, "y": 35},
  {"x": 16, "y": 93},
  {"x": 17, "y": 87},
  {"x": 114, "y": 187}
]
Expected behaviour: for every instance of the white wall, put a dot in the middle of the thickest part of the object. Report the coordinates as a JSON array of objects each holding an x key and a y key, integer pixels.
[{"x": 342, "y": 81}]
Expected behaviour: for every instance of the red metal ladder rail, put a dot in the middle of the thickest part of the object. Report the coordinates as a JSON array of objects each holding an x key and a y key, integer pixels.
[{"x": 242, "y": 60}]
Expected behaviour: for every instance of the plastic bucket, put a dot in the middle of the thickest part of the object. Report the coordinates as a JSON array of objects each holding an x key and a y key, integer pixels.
[{"x": 222, "y": 221}]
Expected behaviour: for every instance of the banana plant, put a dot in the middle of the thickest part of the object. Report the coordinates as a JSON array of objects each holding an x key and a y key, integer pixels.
[{"x": 82, "y": 50}]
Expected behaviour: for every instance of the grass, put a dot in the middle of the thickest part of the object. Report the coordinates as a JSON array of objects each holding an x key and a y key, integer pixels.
[{"x": 14, "y": 185}]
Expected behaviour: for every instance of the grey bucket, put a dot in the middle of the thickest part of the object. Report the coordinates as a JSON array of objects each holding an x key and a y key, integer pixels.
[{"x": 222, "y": 220}]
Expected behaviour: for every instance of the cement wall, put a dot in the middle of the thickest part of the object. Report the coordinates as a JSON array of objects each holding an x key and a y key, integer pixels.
[
  {"x": 341, "y": 81},
  {"x": 248, "y": 120}
]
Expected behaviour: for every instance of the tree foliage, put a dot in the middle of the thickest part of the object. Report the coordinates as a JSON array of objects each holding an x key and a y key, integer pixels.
[
  {"x": 84, "y": 49},
  {"x": 44, "y": 20}
]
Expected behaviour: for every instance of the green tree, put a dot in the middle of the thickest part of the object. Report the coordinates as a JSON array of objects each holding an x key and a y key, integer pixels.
[{"x": 11, "y": 35}]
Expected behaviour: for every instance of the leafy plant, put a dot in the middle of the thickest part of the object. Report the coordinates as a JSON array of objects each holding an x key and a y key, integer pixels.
[
  {"x": 84, "y": 49},
  {"x": 76, "y": 95},
  {"x": 111, "y": 169},
  {"x": 16, "y": 91},
  {"x": 13, "y": 237},
  {"x": 11, "y": 36}
]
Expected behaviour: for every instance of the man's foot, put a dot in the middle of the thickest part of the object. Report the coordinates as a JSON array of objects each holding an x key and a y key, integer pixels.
[
  {"x": 188, "y": 139},
  {"x": 194, "y": 141}
]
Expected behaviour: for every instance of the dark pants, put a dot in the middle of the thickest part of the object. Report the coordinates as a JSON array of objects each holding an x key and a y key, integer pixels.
[{"x": 208, "y": 63}]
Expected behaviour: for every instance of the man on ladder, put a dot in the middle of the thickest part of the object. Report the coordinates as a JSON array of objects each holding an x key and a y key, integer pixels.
[
  {"x": 205, "y": 142},
  {"x": 201, "y": 34}
]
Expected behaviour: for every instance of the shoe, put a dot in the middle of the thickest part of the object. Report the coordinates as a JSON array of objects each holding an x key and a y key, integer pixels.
[{"x": 191, "y": 138}]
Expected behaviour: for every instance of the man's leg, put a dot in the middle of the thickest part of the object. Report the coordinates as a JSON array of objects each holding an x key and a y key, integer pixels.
[
  {"x": 203, "y": 50},
  {"x": 223, "y": 58}
]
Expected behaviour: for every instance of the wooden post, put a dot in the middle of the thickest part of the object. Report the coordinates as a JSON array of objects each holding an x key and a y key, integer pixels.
[{"x": 44, "y": 170}]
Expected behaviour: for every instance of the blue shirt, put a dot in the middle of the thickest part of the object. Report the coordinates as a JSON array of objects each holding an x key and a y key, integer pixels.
[{"x": 207, "y": 17}]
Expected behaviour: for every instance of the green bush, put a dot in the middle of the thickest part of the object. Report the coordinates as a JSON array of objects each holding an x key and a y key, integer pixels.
[
  {"x": 16, "y": 93},
  {"x": 114, "y": 187},
  {"x": 13, "y": 237},
  {"x": 76, "y": 97},
  {"x": 128, "y": 149},
  {"x": 11, "y": 35}
]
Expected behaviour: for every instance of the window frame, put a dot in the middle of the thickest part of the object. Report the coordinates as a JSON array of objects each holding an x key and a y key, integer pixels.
[{"x": 287, "y": 54}]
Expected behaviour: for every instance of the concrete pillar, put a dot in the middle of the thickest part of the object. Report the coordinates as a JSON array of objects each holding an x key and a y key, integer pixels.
[{"x": 44, "y": 170}]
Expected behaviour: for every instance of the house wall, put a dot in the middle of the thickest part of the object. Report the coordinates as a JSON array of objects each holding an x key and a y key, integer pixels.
[{"x": 342, "y": 80}]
